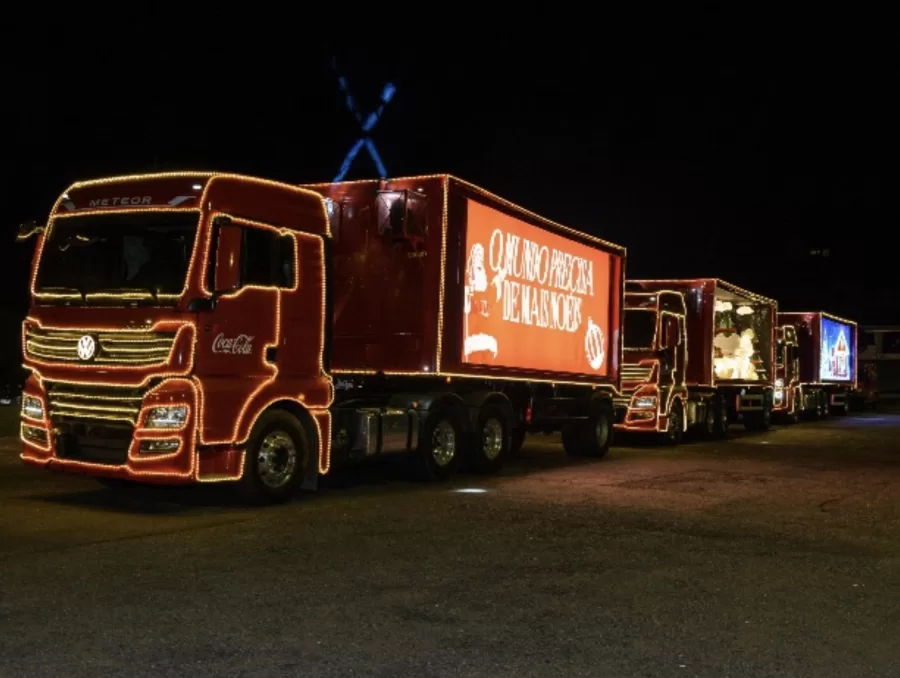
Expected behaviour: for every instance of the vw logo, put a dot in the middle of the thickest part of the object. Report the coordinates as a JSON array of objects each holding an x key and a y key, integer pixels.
[{"x": 86, "y": 347}]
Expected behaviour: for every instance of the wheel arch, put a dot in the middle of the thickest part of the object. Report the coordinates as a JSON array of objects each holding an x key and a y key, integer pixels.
[{"x": 312, "y": 430}]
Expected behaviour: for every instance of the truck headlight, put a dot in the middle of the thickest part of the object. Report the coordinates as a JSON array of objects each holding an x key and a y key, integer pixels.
[
  {"x": 779, "y": 383},
  {"x": 32, "y": 407},
  {"x": 645, "y": 402},
  {"x": 167, "y": 417}
]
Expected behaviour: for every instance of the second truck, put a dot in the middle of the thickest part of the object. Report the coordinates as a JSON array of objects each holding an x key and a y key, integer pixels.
[{"x": 699, "y": 354}]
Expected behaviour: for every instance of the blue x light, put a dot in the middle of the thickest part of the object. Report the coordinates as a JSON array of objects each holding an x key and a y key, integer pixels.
[{"x": 365, "y": 126}]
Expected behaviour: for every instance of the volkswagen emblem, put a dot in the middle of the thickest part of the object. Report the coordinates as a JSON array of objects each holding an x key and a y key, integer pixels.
[{"x": 86, "y": 347}]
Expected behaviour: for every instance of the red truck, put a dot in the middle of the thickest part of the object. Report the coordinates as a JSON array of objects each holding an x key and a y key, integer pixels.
[
  {"x": 203, "y": 327},
  {"x": 698, "y": 354},
  {"x": 817, "y": 371}
]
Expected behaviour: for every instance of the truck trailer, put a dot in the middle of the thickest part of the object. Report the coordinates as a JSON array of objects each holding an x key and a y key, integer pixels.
[
  {"x": 699, "y": 354},
  {"x": 201, "y": 327},
  {"x": 817, "y": 370}
]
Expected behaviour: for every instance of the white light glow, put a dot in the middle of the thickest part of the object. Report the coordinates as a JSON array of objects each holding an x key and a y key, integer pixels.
[
  {"x": 197, "y": 187},
  {"x": 470, "y": 490},
  {"x": 744, "y": 310}
]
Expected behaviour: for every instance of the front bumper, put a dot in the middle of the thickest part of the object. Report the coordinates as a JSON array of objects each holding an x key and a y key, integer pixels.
[{"x": 104, "y": 431}]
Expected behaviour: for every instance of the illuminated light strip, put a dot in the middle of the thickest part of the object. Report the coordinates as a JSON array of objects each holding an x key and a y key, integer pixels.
[
  {"x": 445, "y": 190},
  {"x": 716, "y": 281},
  {"x": 483, "y": 192},
  {"x": 482, "y": 377},
  {"x": 121, "y": 364},
  {"x": 324, "y": 431},
  {"x": 54, "y": 215}
]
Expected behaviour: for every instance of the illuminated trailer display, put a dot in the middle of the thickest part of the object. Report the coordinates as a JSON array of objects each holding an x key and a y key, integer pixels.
[
  {"x": 698, "y": 354},
  {"x": 817, "y": 363}
]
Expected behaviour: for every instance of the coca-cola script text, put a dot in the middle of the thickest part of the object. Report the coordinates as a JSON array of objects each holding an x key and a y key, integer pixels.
[{"x": 241, "y": 344}]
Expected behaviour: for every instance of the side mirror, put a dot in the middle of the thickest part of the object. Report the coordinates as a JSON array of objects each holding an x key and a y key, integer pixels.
[
  {"x": 28, "y": 230},
  {"x": 228, "y": 259}
]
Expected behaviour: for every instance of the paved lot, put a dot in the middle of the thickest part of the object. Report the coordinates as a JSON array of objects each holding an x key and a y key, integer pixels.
[{"x": 773, "y": 555}]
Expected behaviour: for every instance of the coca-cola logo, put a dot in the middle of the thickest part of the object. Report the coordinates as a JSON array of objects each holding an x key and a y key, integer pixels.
[{"x": 242, "y": 344}]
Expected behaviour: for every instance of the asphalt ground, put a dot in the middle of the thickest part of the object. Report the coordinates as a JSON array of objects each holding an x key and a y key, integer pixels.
[{"x": 774, "y": 554}]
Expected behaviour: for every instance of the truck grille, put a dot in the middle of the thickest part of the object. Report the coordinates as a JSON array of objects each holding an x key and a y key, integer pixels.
[
  {"x": 104, "y": 404},
  {"x": 119, "y": 347},
  {"x": 636, "y": 373}
]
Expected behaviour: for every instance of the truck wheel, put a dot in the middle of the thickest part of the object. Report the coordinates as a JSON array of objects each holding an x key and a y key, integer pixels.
[
  {"x": 760, "y": 421},
  {"x": 721, "y": 414},
  {"x": 492, "y": 440},
  {"x": 518, "y": 439},
  {"x": 440, "y": 444},
  {"x": 708, "y": 425},
  {"x": 276, "y": 458},
  {"x": 675, "y": 424},
  {"x": 594, "y": 437}
]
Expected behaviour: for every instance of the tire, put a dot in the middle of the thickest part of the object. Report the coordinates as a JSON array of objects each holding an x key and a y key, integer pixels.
[
  {"x": 593, "y": 437},
  {"x": 518, "y": 440},
  {"x": 492, "y": 440},
  {"x": 708, "y": 425},
  {"x": 674, "y": 435},
  {"x": 276, "y": 459},
  {"x": 722, "y": 422},
  {"x": 760, "y": 421},
  {"x": 440, "y": 450}
]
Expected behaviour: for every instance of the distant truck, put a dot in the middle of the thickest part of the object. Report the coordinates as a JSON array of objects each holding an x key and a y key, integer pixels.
[
  {"x": 817, "y": 371},
  {"x": 202, "y": 327},
  {"x": 699, "y": 354}
]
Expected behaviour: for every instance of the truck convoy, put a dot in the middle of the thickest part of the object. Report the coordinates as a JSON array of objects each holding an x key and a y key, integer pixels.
[
  {"x": 817, "y": 370},
  {"x": 698, "y": 354},
  {"x": 203, "y": 327}
]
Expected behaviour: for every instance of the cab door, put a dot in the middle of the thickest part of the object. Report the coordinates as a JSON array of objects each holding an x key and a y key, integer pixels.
[{"x": 239, "y": 338}]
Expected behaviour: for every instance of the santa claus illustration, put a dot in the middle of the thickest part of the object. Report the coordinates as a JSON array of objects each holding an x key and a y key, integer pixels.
[{"x": 482, "y": 312}]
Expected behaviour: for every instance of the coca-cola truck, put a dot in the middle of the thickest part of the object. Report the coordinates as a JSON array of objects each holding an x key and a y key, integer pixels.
[
  {"x": 200, "y": 327},
  {"x": 817, "y": 370},
  {"x": 698, "y": 354}
]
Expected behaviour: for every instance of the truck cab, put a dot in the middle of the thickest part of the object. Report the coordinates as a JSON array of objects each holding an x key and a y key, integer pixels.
[
  {"x": 654, "y": 394},
  {"x": 787, "y": 374},
  {"x": 176, "y": 321}
]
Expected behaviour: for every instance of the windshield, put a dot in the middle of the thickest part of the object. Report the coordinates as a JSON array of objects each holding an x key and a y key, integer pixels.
[
  {"x": 142, "y": 255},
  {"x": 640, "y": 328}
]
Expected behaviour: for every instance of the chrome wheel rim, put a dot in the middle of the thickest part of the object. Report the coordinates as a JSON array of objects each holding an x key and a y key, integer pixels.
[
  {"x": 492, "y": 439},
  {"x": 276, "y": 460},
  {"x": 443, "y": 443}
]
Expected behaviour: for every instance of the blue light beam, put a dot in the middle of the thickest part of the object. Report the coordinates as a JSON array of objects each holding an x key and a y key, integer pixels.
[{"x": 387, "y": 93}]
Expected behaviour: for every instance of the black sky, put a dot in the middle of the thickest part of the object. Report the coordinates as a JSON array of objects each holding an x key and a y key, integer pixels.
[{"x": 703, "y": 162}]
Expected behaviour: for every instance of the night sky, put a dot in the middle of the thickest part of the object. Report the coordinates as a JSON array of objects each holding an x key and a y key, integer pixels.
[{"x": 702, "y": 163}]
